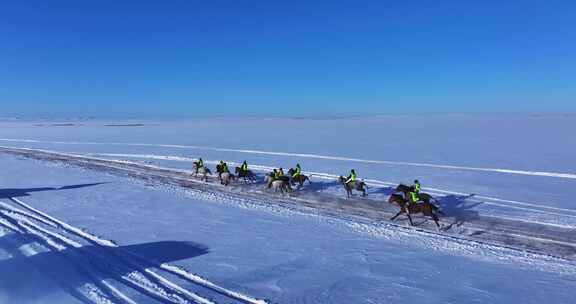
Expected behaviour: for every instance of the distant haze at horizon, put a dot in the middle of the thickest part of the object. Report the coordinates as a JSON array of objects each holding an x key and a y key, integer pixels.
[{"x": 145, "y": 59}]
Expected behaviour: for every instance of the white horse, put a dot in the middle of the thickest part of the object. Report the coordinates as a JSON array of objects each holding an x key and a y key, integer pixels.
[
  {"x": 226, "y": 178},
  {"x": 278, "y": 184},
  {"x": 203, "y": 172}
]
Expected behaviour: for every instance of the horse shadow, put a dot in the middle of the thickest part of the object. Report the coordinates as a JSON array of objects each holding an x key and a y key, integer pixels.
[
  {"x": 21, "y": 192},
  {"x": 458, "y": 207},
  {"x": 72, "y": 268}
]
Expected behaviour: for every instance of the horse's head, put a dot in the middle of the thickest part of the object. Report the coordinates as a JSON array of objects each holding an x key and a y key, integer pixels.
[
  {"x": 291, "y": 171},
  {"x": 402, "y": 188},
  {"x": 341, "y": 179},
  {"x": 396, "y": 199}
]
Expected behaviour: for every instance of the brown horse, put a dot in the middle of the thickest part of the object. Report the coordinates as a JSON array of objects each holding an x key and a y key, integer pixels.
[
  {"x": 300, "y": 178},
  {"x": 219, "y": 171},
  {"x": 359, "y": 186},
  {"x": 246, "y": 175},
  {"x": 426, "y": 208}
]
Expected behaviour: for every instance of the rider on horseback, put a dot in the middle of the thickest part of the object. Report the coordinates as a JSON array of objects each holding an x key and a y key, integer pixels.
[
  {"x": 297, "y": 172},
  {"x": 244, "y": 167},
  {"x": 414, "y": 191},
  {"x": 416, "y": 186},
  {"x": 279, "y": 173},
  {"x": 352, "y": 178},
  {"x": 199, "y": 164},
  {"x": 224, "y": 167}
]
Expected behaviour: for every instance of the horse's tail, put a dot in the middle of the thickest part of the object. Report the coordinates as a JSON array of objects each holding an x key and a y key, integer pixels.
[{"x": 437, "y": 209}]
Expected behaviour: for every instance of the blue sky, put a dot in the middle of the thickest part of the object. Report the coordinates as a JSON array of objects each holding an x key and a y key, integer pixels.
[{"x": 294, "y": 58}]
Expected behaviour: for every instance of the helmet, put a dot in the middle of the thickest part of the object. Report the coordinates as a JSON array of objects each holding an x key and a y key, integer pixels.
[
  {"x": 416, "y": 181},
  {"x": 352, "y": 171}
]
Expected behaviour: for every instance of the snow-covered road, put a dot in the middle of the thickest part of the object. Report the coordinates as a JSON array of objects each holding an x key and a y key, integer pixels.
[{"x": 555, "y": 239}]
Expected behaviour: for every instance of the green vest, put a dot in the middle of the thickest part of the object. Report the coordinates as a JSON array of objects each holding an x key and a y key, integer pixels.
[
  {"x": 414, "y": 197},
  {"x": 298, "y": 171},
  {"x": 417, "y": 187}
]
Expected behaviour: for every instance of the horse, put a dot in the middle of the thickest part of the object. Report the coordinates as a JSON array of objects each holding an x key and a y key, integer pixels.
[
  {"x": 426, "y": 208},
  {"x": 300, "y": 178},
  {"x": 281, "y": 183},
  {"x": 219, "y": 171},
  {"x": 202, "y": 171},
  {"x": 359, "y": 186},
  {"x": 226, "y": 178},
  {"x": 246, "y": 175}
]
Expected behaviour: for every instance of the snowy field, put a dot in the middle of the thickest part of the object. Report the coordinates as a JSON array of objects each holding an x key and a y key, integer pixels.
[{"x": 55, "y": 243}]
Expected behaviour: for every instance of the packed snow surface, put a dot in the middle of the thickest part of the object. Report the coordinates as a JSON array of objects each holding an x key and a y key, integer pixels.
[{"x": 70, "y": 234}]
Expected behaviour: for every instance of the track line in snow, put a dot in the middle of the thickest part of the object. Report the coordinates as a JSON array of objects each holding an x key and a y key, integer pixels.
[
  {"x": 94, "y": 291},
  {"x": 140, "y": 262},
  {"x": 313, "y": 156},
  {"x": 147, "y": 283}
]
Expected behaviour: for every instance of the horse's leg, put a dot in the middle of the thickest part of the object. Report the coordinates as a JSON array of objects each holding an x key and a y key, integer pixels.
[
  {"x": 410, "y": 218},
  {"x": 408, "y": 212},
  {"x": 397, "y": 214},
  {"x": 435, "y": 217}
]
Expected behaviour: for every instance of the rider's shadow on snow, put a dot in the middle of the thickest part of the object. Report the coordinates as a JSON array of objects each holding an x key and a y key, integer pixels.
[
  {"x": 458, "y": 207},
  {"x": 73, "y": 268},
  {"x": 8, "y": 193},
  {"x": 387, "y": 191},
  {"x": 318, "y": 186}
]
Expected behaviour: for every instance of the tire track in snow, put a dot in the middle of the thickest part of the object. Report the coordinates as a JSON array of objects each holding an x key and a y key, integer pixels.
[
  {"x": 139, "y": 262},
  {"x": 90, "y": 292},
  {"x": 150, "y": 285},
  {"x": 132, "y": 278},
  {"x": 313, "y": 156}
]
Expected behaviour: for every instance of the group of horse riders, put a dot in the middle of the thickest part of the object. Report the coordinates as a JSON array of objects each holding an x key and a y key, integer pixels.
[
  {"x": 411, "y": 200},
  {"x": 413, "y": 194}
]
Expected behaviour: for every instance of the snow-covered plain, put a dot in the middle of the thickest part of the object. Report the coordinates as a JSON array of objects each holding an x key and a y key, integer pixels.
[{"x": 518, "y": 167}]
